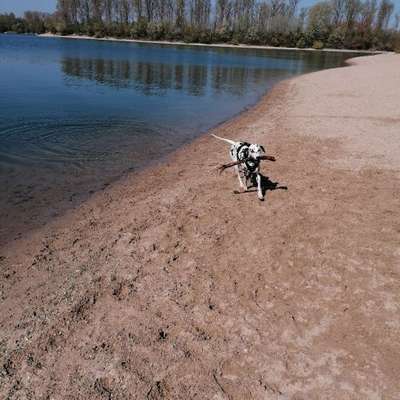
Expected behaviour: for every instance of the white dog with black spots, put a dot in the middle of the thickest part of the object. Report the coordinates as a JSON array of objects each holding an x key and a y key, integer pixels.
[{"x": 246, "y": 158}]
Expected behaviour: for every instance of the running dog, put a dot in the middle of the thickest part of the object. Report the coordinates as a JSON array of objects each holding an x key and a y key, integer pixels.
[{"x": 246, "y": 158}]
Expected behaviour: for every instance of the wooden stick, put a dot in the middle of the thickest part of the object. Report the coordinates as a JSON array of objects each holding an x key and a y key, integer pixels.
[
  {"x": 268, "y": 158},
  {"x": 223, "y": 167}
]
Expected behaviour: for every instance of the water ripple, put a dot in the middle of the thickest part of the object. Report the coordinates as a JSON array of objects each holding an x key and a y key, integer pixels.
[{"x": 71, "y": 141}]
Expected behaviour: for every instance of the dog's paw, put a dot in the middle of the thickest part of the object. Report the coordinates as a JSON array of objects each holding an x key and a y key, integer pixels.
[{"x": 261, "y": 198}]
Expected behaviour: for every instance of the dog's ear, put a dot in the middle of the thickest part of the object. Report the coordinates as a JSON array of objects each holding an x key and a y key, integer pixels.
[{"x": 262, "y": 148}]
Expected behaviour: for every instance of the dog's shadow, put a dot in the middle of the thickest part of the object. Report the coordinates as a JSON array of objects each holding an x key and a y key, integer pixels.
[{"x": 266, "y": 184}]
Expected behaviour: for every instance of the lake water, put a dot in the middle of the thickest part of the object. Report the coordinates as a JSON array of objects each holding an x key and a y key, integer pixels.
[{"x": 76, "y": 115}]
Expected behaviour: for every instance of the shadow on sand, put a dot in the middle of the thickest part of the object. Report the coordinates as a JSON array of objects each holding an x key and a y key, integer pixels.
[{"x": 266, "y": 184}]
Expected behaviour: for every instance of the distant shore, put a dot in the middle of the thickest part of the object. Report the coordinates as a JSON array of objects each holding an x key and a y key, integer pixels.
[
  {"x": 218, "y": 45},
  {"x": 168, "y": 284}
]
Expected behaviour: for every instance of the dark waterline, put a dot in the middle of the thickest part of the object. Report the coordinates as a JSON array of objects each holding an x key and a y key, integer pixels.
[{"x": 76, "y": 115}]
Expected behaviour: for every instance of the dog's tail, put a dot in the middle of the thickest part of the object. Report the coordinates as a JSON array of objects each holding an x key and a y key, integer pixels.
[{"x": 225, "y": 140}]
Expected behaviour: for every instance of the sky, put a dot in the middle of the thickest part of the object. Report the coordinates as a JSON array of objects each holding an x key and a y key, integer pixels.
[{"x": 19, "y": 6}]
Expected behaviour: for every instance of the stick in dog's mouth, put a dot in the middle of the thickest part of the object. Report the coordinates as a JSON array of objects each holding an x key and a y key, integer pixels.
[
  {"x": 268, "y": 158},
  {"x": 223, "y": 167}
]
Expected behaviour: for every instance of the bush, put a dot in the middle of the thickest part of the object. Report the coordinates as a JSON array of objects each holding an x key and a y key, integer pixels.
[
  {"x": 252, "y": 37},
  {"x": 154, "y": 31},
  {"x": 238, "y": 37},
  {"x": 223, "y": 36},
  {"x": 63, "y": 29},
  {"x": 318, "y": 45},
  {"x": 336, "y": 39},
  {"x": 275, "y": 40},
  {"x": 98, "y": 30},
  {"x": 205, "y": 37},
  {"x": 139, "y": 29},
  {"x": 190, "y": 36},
  {"x": 396, "y": 44},
  {"x": 301, "y": 43}
]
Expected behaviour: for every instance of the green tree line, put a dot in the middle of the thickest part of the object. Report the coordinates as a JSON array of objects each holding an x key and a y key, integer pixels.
[{"x": 351, "y": 24}]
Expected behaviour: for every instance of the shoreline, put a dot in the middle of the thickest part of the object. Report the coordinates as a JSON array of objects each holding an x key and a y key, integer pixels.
[
  {"x": 63, "y": 205},
  {"x": 169, "y": 283},
  {"x": 215, "y": 45}
]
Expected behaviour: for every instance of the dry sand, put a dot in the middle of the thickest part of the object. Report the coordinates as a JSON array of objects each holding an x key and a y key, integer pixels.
[{"x": 169, "y": 286}]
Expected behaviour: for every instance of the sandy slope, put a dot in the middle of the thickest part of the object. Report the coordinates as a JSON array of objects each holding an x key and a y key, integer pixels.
[{"x": 168, "y": 285}]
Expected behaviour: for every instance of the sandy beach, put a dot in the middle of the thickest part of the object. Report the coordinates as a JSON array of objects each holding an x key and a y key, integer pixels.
[
  {"x": 168, "y": 285},
  {"x": 220, "y": 45}
]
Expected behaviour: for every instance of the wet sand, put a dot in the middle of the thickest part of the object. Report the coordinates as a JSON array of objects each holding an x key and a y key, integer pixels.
[{"x": 167, "y": 285}]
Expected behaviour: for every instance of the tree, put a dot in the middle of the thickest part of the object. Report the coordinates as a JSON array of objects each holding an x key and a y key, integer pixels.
[
  {"x": 352, "y": 8},
  {"x": 385, "y": 11},
  {"x": 320, "y": 20},
  {"x": 180, "y": 15},
  {"x": 359, "y": 24},
  {"x": 338, "y": 10},
  {"x": 7, "y": 21},
  {"x": 35, "y": 21}
]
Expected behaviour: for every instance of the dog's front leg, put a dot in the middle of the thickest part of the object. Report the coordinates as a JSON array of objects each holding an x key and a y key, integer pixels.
[
  {"x": 259, "y": 188},
  {"x": 239, "y": 172}
]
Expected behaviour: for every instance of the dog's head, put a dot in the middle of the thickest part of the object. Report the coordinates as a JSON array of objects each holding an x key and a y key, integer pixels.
[{"x": 256, "y": 150}]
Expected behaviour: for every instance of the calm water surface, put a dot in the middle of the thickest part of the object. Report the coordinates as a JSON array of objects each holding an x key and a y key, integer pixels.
[{"x": 75, "y": 114}]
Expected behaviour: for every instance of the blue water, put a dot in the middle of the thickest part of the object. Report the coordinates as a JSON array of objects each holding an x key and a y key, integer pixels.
[{"x": 77, "y": 114}]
